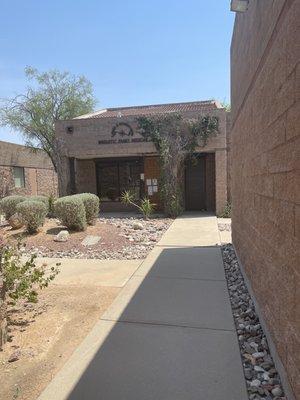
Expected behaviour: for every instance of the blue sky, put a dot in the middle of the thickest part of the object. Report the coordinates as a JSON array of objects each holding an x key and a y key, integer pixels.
[{"x": 134, "y": 52}]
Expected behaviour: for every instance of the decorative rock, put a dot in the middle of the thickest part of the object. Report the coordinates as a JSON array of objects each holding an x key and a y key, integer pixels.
[
  {"x": 14, "y": 356},
  {"x": 258, "y": 355},
  {"x": 62, "y": 236},
  {"x": 16, "y": 221},
  {"x": 276, "y": 391},
  {"x": 255, "y": 383},
  {"x": 138, "y": 226},
  {"x": 90, "y": 240}
]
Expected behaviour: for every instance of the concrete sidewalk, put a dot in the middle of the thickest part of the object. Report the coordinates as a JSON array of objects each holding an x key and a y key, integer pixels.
[{"x": 169, "y": 334}]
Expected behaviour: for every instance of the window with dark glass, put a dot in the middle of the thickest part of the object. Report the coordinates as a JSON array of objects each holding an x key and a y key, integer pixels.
[{"x": 19, "y": 177}]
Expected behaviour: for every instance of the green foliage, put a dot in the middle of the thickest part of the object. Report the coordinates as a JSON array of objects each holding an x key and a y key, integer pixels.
[
  {"x": 203, "y": 128},
  {"x": 43, "y": 199},
  {"x": 9, "y": 204},
  {"x": 176, "y": 139},
  {"x": 70, "y": 210},
  {"x": 91, "y": 204},
  {"x": 21, "y": 279},
  {"x": 53, "y": 96},
  {"x": 33, "y": 214},
  {"x": 145, "y": 207},
  {"x": 226, "y": 213},
  {"x": 51, "y": 201}
]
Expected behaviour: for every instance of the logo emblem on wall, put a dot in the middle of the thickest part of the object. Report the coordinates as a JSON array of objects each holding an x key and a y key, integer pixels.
[{"x": 122, "y": 129}]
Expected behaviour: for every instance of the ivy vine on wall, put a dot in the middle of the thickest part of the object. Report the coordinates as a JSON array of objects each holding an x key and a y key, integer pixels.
[{"x": 176, "y": 139}]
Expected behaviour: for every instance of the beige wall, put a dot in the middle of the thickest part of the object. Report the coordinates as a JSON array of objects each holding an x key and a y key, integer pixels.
[{"x": 265, "y": 142}]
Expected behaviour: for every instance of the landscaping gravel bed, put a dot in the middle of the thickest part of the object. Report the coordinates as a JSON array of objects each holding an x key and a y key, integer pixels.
[
  {"x": 262, "y": 378},
  {"x": 124, "y": 239}
]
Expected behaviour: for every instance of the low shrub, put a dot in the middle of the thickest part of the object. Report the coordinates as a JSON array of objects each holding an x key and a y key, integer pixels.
[
  {"x": 8, "y": 205},
  {"x": 43, "y": 199},
  {"x": 70, "y": 211},
  {"x": 33, "y": 214},
  {"x": 91, "y": 204}
]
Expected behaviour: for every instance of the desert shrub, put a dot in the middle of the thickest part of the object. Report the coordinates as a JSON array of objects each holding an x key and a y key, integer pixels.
[
  {"x": 33, "y": 214},
  {"x": 70, "y": 210},
  {"x": 43, "y": 199},
  {"x": 145, "y": 207},
  {"x": 22, "y": 278},
  {"x": 9, "y": 204},
  {"x": 91, "y": 204}
]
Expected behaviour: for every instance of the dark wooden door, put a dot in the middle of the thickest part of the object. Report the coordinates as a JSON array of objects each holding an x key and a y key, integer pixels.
[{"x": 195, "y": 196}]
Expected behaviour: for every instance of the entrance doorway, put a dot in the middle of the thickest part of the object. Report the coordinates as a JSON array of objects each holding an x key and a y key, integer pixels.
[
  {"x": 200, "y": 183},
  {"x": 116, "y": 176}
]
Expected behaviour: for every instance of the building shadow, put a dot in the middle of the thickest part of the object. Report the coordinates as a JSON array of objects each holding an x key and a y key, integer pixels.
[{"x": 173, "y": 339}]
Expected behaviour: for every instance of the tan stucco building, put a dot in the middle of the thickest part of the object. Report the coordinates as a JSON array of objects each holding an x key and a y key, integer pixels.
[{"x": 105, "y": 154}]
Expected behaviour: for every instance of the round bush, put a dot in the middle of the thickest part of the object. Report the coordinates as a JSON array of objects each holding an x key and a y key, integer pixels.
[
  {"x": 91, "y": 204},
  {"x": 70, "y": 210},
  {"x": 43, "y": 199},
  {"x": 8, "y": 205},
  {"x": 33, "y": 214}
]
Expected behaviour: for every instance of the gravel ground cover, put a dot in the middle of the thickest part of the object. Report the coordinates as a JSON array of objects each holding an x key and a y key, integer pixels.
[
  {"x": 262, "y": 378},
  {"x": 124, "y": 238}
]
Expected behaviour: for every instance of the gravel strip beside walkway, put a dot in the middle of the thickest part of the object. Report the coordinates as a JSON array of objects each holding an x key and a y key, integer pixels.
[{"x": 263, "y": 381}]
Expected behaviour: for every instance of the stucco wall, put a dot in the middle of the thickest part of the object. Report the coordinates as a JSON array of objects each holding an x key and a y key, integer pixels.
[{"x": 265, "y": 144}]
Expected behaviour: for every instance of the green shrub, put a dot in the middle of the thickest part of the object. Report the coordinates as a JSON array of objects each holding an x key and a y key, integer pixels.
[
  {"x": 33, "y": 214},
  {"x": 70, "y": 210},
  {"x": 8, "y": 205},
  {"x": 91, "y": 204},
  {"x": 43, "y": 199}
]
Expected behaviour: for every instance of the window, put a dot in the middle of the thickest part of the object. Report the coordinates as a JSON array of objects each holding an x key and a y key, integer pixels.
[{"x": 19, "y": 177}]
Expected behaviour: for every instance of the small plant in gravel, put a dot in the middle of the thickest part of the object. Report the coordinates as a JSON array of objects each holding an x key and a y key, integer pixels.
[
  {"x": 145, "y": 207},
  {"x": 9, "y": 204},
  {"x": 33, "y": 214},
  {"x": 91, "y": 204},
  {"x": 70, "y": 211}
]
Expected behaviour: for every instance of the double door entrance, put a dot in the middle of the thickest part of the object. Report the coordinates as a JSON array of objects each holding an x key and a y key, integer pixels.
[{"x": 116, "y": 176}]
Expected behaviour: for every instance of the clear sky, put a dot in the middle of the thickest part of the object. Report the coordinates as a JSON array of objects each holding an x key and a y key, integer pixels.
[{"x": 133, "y": 51}]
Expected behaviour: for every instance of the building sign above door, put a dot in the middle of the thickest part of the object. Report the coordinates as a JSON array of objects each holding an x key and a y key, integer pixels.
[
  {"x": 122, "y": 129},
  {"x": 122, "y": 133}
]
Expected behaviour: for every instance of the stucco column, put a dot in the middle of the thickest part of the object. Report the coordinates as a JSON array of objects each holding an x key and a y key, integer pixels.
[{"x": 221, "y": 180}]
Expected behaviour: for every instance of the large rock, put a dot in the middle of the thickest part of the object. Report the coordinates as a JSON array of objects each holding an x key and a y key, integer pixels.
[
  {"x": 16, "y": 221},
  {"x": 62, "y": 236}
]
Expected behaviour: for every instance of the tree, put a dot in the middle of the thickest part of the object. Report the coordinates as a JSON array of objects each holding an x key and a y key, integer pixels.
[
  {"x": 53, "y": 96},
  {"x": 175, "y": 139}
]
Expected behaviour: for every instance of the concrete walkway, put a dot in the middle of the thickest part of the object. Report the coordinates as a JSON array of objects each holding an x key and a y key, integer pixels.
[{"x": 169, "y": 335}]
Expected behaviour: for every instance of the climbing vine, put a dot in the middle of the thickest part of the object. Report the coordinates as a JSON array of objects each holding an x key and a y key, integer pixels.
[{"x": 176, "y": 139}]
